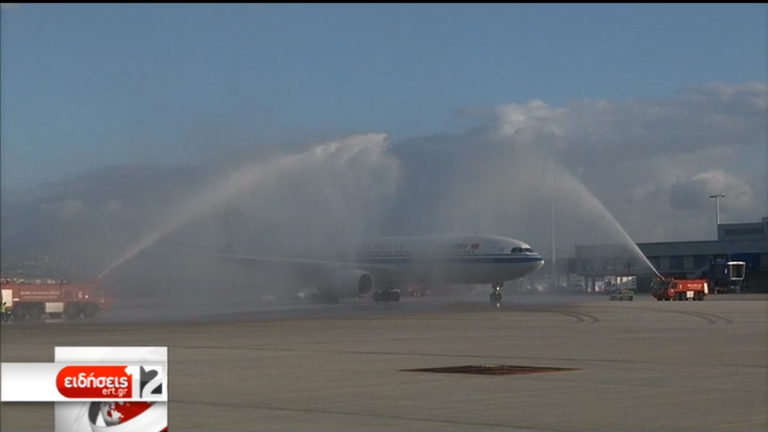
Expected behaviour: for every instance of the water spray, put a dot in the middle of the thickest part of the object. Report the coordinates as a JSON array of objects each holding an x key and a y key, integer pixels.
[
  {"x": 577, "y": 188},
  {"x": 612, "y": 220},
  {"x": 259, "y": 176}
]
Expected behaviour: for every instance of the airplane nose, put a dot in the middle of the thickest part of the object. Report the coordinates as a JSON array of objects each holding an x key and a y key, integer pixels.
[
  {"x": 532, "y": 266},
  {"x": 539, "y": 263}
]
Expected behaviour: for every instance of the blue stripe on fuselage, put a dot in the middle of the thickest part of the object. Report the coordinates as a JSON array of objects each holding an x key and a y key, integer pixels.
[{"x": 463, "y": 259}]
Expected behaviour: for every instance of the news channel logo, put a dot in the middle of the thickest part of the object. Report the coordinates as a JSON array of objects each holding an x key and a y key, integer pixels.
[{"x": 147, "y": 409}]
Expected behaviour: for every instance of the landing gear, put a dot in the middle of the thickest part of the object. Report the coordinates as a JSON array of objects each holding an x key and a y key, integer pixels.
[
  {"x": 496, "y": 293},
  {"x": 388, "y": 295}
]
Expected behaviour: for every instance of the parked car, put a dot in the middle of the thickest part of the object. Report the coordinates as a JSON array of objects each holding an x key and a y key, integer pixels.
[{"x": 623, "y": 294}]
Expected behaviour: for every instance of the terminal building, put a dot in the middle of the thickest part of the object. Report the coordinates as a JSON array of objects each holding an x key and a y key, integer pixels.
[{"x": 747, "y": 242}]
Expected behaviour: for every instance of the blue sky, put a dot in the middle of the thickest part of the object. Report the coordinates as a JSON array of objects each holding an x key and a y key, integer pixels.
[{"x": 84, "y": 86}]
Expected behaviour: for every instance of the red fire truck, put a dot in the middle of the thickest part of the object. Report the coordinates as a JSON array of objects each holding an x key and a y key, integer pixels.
[
  {"x": 680, "y": 289},
  {"x": 31, "y": 299}
]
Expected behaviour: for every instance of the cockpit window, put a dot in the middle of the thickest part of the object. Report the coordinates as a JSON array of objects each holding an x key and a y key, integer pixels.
[{"x": 519, "y": 249}]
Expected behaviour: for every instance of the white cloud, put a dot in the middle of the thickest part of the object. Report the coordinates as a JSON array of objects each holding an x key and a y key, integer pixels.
[
  {"x": 751, "y": 93},
  {"x": 651, "y": 163},
  {"x": 693, "y": 193},
  {"x": 535, "y": 114}
]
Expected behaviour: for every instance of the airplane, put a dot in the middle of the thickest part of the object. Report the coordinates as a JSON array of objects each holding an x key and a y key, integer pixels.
[{"x": 380, "y": 265}]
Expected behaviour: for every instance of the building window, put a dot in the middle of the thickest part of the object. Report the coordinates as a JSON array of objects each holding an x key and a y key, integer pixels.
[
  {"x": 655, "y": 262},
  {"x": 676, "y": 262},
  {"x": 688, "y": 262},
  {"x": 742, "y": 232},
  {"x": 700, "y": 261}
]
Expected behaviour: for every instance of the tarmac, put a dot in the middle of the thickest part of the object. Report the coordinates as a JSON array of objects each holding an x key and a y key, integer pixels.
[{"x": 633, "y": 366}]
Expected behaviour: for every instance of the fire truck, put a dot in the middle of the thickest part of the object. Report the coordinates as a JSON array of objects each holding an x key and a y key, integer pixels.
[
  {"x": 682, "y": 289},
  {"x": 32, "y": 299}
]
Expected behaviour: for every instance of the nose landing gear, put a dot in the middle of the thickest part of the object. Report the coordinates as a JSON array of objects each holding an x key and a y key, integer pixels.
[{"x": 496, "y": 293}]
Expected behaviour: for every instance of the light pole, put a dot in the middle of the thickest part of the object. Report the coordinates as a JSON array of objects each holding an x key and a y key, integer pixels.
[
  {"x": 717, "y": 204},
  {"x": 554, "y": 256}
]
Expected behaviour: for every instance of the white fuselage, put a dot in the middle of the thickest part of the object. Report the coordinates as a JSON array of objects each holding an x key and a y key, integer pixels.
[{"x": 461, "y": 259}]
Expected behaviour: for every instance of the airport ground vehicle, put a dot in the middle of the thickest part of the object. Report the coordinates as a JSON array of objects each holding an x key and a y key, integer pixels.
[
  {"x": 726, "y": 276},
  {"x": 623, "y": 294},
  {"x": 33, "y": 298},
  {"x": 680, "y": 289}
]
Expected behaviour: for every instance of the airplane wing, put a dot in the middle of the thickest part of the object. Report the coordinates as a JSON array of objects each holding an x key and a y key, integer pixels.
[
  {"x": 312, "y": 267},
  {"x": 313, "y": 271}
]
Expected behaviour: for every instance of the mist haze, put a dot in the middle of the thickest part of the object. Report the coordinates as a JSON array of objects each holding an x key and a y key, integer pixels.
[
  {"x": 646, "y": 161},
  {"x": 132, "y": 138}
]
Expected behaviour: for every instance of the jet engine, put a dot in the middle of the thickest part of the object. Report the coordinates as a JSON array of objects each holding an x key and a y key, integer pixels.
[{"x": 351, "y": 283}]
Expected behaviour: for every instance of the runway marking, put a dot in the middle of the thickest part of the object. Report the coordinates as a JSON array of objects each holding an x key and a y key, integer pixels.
[
  {"x": 711, "y": 318},
  {"x": 579, "y": 316},
  {"x": 708, "y": 317}
]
